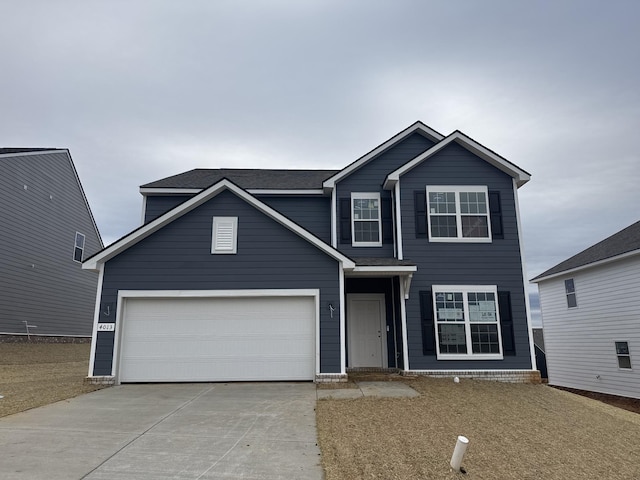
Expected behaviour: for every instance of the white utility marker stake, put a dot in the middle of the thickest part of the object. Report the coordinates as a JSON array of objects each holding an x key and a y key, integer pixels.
[{"x": 458, "y": 452}]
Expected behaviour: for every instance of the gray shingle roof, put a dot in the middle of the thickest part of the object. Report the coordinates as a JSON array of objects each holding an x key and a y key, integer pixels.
[
  {"x": 24, "y": 150},
  {"x": 625, "y": 241},
  {"x": 246, "y": 178}
]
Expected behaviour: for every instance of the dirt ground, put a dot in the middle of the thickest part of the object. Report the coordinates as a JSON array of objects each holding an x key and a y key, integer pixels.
[
  {"x": 515, "y": 431},
  {"x": 33, "y": 374}
]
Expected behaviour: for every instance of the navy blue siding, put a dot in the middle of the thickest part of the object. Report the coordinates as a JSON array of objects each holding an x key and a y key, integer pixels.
[
  {"x": 157, "y": 205},
  {"x": 310, "y": 212},
  {"x": 270, "y": 256},
  {"x": 496, "y": 263},
  {"x": 370, "y": 178}
]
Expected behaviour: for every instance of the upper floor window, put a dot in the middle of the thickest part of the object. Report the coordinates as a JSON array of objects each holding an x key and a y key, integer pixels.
[
  {"x": 224, "y": 235},
  {"x": 366, "y": 225},
  {"x": 570, "y": 291},
  {"x": 458, "y": 214},
  {"x": 78, "y": 249},
  {"x": 467, "y": 322}
]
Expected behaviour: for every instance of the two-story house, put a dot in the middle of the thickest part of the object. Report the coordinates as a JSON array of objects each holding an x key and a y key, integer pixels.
[
  {"x": 409, "y": 258},
  {"x": 46, "y": 231}
]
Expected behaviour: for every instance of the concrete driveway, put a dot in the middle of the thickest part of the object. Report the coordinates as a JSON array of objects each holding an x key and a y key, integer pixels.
[{"x": 177, "y": 431}]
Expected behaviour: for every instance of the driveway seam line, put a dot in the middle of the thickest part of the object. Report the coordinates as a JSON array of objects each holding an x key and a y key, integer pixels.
[{"x": 151, "y": 427}]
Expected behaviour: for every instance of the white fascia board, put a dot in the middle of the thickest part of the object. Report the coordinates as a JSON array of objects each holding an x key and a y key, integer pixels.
[
  {"x": 599, "y": 263},
  {"x": 264, "y": 191},
  {"x": 190, "y": 204},
  {"x": 418, "y": 126},
  {"x": 474, "y": 147},
  {"x": 170, "y": 191},
  {"x": 253, "y": 191},
  {"x": 391, "y": 270}
]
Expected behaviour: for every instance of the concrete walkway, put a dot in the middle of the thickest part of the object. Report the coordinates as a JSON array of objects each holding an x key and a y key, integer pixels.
[
  {"x": 177, "y": 431},
  {"x": 369, "y": 389}
]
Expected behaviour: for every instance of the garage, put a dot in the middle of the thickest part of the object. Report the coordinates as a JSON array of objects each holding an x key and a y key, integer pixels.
[{"x": 217, "y": 338}]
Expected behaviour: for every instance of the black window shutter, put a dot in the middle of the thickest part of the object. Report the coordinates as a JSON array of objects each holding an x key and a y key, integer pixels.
[
  {"x": 420, "y": 206},
  {"x": 387, "y": 221},
  {"x": 506, "y": 323},
  {"x": 345, "y": 220},
  {"x": 495, "y": 211},
  {"x": 426, "y": 316}
]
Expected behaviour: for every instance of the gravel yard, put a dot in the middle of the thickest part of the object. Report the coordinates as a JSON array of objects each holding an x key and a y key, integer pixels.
[
  {"x": 515, "y": 432},
  {"x": 35, "y": 374}
]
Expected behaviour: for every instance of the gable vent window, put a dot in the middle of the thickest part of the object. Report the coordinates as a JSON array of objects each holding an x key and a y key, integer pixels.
[
  {"x": 622, "y": 351},
  {"x": 78, "y": 250},
  {"x": 570, "y": 290},
  {"x": 225, "y": 235}
]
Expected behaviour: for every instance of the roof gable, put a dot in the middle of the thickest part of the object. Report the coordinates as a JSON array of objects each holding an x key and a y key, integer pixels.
[
  {"x": 521, "y": 176},
  {"x": 148, "y": 229},
  {"x": 625, "y": 242},
  {"x": 419, "y": 127}
]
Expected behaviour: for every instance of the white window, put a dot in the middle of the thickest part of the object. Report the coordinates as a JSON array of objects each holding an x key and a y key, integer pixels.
[
  {"x": 366, "y": 228},
  {"x": 225, "y": 235},
  {"x": 624, "y": 358},
  {"x": 467, "y": 322},
  {"x": 78, "y": 249},
  {"x": 570, "y": 290},
  {"x": 458, "y": 214}
]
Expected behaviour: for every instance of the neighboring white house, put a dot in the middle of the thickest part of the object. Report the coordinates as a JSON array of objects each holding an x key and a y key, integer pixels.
[{"x": 590, "y": 307}]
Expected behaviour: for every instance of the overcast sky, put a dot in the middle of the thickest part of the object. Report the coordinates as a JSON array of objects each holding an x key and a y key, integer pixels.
[{"x": 139, "y": 90}]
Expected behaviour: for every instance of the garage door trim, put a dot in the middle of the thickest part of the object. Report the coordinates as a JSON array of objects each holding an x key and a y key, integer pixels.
[{"x": 123, "y": 295}]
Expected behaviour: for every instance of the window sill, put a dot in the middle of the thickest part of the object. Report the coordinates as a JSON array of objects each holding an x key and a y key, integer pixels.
[
  {"x": 356, "y": 245},
  {"x": 459, "y": 240},
  {"x": 477, "y": 356}
]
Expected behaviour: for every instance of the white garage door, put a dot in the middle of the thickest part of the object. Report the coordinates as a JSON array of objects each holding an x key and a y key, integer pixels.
[{"x": 218, "y": 339}]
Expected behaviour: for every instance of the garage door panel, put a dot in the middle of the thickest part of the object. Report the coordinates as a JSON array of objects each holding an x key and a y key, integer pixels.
[{"x": 218, "y": 339}]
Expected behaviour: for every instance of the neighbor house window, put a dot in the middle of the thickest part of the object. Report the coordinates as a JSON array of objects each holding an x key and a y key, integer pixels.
[
  {"x": 622, "y": 351},
  {"x": 78, "y": 249},
  {"x": 467, "y": 322},
  {"x": 365, "y": 220},
  {"x": 458, "y": 214},
  {"x": 224, "y": 235},
  {"x": 570, "y": 290}
]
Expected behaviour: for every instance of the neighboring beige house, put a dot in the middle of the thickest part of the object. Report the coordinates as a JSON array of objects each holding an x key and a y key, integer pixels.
[{"x": 590, "y": 307}]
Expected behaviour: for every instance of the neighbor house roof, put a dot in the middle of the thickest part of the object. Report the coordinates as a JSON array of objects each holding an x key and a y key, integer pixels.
[
  {"x": 625, "y": 242},
  {"x": 5, "y": 150},
  {"x": 248, "y": 179}
]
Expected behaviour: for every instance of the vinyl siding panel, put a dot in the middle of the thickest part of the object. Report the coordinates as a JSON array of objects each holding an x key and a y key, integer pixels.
[
  {"x": 579, "y": 342},
  {"x": 39, "y": 281},
  {"x": 156, "y": 205},
  {"x": 496, "y": 263},
  {"x": 269, "y": 256},
  {"x": 370, "y": 178},
  {"x": 311, "y": 212}
]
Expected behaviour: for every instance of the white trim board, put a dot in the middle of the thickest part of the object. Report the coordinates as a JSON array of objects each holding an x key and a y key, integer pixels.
[
  {"x": 123, "y": 295},
  {"x": 143, "y": 232},
  {"x": 471, "y": 145},
  {"x": 416, "y": 127}
]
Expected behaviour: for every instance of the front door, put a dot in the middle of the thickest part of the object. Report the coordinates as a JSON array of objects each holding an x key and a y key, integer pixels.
[{"x": 367, "y": 330}]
